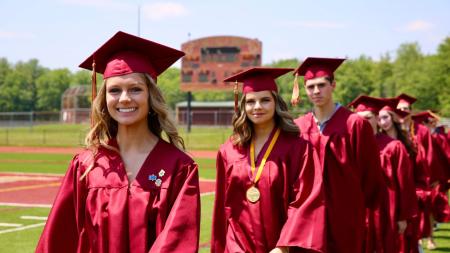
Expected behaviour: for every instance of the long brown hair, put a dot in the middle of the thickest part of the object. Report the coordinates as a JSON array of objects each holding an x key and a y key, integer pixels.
[
  {"x": 402, "y": 135},
  {"x": 243, "y": 128},
  {"x": 105, "y": 127}
]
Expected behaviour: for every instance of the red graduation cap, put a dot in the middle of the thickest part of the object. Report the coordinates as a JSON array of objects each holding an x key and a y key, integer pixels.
[
  {"x": 405, "y": 98},
  {"x": 390, "y": 104},
  {"x": 257, "y": 79},
  {"x": 425, "y": 116},
  {"x": 314, "y": 67},
  {"x": 366, "y": 103},
  {"x": 125, "y": 53}
]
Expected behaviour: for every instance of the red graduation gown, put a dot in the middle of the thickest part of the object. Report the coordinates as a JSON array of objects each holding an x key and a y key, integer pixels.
[
  {"x": 349, "y": 157},
  {"x": 426, "y": 171},
  {"x": 441, "y": 150},
  {"x": 440, "y": 206},
  {"x": 290, "y": 211},
  {"x": 103, "y": 213},
  {"x": 401, "y": 203}
]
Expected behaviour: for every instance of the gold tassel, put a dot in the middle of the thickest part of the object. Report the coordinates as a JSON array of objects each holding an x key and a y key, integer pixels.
[
  {"x": 236, "y": 94},
  {"x": 295, "y": 92},
  {"x": 94, "y": 91}
]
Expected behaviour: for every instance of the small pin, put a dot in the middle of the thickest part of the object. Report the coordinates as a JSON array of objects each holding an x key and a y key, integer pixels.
[
  {"x": 161, "y": 173},
  {"x": 152, "y": 177},
  {"x": 158, "y": 182}
]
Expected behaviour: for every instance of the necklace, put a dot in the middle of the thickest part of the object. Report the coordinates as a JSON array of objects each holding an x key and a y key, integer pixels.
[{"x": 253, "y": 194}]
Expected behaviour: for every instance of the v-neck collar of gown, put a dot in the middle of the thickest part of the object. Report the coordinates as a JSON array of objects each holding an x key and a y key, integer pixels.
[{"x": 134, "y": 181}]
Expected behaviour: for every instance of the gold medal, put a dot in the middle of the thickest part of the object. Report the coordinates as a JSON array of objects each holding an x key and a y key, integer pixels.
[{"x": 253, "y": 194}]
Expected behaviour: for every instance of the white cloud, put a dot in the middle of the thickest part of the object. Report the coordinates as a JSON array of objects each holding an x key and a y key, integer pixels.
[
  {"x": 315, "y": 25},
  {"x": 417, "y": 26},
  {"x": 159, "y": 11},
  {"x": 15, "y": 35}
]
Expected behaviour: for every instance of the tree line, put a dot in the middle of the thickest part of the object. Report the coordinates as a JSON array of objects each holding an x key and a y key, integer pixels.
[{"x": 28, "y": 86}]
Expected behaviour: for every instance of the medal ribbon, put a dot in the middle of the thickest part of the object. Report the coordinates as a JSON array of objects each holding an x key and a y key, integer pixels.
[{"x": 266, "y": 155}]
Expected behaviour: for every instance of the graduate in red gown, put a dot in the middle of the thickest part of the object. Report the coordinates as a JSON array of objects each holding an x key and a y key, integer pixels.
[
  {"x": 269, "y": 193},
  {"x": 389, "y": 122},
  {"x": 130, "y": 190},
  {"x": 439, "y": 199},
  {"x": 387, "y": 224},
  {"x": 348, "y": 154},
  {"x": 426, "y": 166}
]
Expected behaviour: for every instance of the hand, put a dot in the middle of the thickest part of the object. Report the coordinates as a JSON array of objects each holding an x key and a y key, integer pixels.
[
  {"x": 434, "y": 184},
  {"x": 280, "y": 250},
  {"x": 402, "y": 226}
]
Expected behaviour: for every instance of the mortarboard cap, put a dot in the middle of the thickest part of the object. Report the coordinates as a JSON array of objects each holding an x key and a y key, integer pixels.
[
  {"x": 125, "y": 53},
  {"x": 314, "y": 67},
  {"x": 425, "y": 116},
  {"x": 257, "y": 79},
  {"x": 390, "y": 104},
  {"x": 407, "y": 99},
  {"x": 366, "y": 103}
]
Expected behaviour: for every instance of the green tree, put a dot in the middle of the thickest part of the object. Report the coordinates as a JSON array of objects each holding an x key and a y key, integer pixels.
[
  {"x": 408, "y": 71},
  {"x": 50, "y": 86},
  {"x": 81, "y": 77},
  {"x": 5, "y": 68},
  {"x": 440, "y": 78},
  {"x": 18, "y": 91},
  {"x": 382, "y": 74},
  {"x": 169, "y": 83},
  {"x": 353, "y": 78}
]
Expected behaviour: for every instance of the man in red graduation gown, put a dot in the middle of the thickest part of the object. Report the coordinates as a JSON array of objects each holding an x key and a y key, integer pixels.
[
  {"x": 387, "y": 224},
  {"x": 348, "y": 155},
  {"x": 427, "y": 170}
]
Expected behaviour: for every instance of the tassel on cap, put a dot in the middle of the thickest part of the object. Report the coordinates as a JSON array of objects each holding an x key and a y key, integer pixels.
[
  {"x": 295, "y": 92},
  {"x": 93, "y": 90},
  {"x": 236, "y": 95}
]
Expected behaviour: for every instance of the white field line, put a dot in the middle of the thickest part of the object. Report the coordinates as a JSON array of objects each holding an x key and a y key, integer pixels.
[
  {"x": 21, "y": 228},
  {"x": 10, "y": 225},
  {"x": 25, "y": 205},
  {"x": 33, "y": 218},
  {"x": 206, "y": 194},
  {"x": 32, "y": 174}
]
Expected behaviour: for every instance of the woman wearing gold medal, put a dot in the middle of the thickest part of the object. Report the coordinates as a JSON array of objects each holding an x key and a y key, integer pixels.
[{"x": 269, "y": 194}]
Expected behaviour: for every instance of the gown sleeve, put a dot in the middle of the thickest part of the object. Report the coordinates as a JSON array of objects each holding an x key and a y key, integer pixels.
[
  {"x": 182, "y": 228},
  {"x": 405, "y": 179},
  {"x": 304, "y": 228},
  {"x": 64, "y": 226},
  {"x": 428, "y": 157},
  {"x": 219, "y": 223},
  {"x": 368, "y": 161}
]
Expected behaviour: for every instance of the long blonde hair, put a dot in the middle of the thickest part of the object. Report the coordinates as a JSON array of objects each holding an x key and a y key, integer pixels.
[
  {"x": 105, "y": 127},
  {"x": 243, "y": 128}
]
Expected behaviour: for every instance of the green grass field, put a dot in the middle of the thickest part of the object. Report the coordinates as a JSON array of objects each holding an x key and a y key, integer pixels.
[{"x": 62, "y": 135}]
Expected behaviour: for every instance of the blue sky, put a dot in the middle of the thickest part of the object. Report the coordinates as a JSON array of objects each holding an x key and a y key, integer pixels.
[{"x": 62, "y": 33}]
